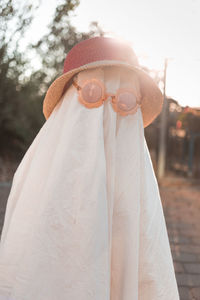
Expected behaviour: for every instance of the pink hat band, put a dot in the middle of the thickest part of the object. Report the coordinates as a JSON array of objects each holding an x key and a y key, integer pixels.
[{"x": 99, "y": 49}]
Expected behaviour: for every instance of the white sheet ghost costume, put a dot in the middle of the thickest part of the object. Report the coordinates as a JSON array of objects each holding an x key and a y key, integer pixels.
[{"x": 84, "y": 219}]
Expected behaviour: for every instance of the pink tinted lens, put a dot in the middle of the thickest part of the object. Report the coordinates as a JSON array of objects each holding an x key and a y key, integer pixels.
[
  {"x": 91, "y": 92},
  {"x": 126, "y": 101}
]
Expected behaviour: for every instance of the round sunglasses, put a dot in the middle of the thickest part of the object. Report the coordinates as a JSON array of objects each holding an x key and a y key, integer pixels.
[{"x": 93, "y": 94}]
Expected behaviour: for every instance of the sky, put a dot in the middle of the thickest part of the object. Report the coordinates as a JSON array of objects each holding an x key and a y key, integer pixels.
[{"x": 157, "y": 30}]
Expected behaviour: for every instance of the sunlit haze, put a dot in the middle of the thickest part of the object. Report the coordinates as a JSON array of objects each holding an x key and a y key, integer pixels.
[{"x": 157, "y": 30}]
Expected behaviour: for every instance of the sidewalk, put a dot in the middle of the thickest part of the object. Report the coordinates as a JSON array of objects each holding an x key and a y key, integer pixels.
[{"x": 181, "y": 204}]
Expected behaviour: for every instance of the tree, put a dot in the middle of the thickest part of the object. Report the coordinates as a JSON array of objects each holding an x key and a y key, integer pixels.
[
  {"x": 21, "y": 97},
  {"x": 62, "y": 36},
  {"x": 14, "y": 21}
]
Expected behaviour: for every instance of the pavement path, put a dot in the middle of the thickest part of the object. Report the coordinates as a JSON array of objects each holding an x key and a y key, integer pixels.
[{"x": 181, "y": 204}]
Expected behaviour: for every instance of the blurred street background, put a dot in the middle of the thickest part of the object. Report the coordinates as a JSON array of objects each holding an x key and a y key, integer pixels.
[{"x": 35, "y": 38}]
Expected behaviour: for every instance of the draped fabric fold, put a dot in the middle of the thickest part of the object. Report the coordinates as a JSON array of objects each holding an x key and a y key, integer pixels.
[{"x": 84, "y": 218}]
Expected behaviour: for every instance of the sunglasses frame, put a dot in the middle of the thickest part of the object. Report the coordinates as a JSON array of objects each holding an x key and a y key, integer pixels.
[
  {"x": 106, "y": 96},
  {"x": 80, "y": 98}
]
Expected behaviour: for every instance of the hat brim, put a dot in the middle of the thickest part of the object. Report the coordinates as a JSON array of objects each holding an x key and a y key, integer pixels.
[{"x": 152, "y": 98}]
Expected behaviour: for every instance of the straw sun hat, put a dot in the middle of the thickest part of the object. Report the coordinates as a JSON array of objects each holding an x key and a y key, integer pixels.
[{"x": 99, "y": 52}]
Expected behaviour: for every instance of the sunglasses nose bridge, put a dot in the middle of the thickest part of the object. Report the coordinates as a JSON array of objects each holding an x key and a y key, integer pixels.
[{"x": 108, "y": 95}]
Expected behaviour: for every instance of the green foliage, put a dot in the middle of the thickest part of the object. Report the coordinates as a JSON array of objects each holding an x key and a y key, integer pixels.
[
  {"x": 62, "y": 36},
  {"x": 21, "y": 98},
  {"x": 14, "y": 131}
]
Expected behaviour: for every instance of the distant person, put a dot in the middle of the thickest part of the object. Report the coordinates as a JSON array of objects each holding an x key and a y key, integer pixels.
[{"x": 84, "y": 218}]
